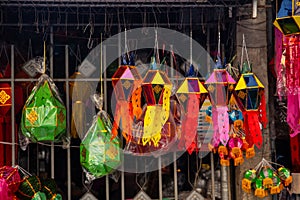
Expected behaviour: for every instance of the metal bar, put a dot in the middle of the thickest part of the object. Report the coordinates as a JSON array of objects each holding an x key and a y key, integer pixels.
[
  {"x": 12, "y": 85},
  {"x": 175, "y": 175},
  {"x": 122, "y": 172},
  {"x": 118, "y": 5},
  {"x": 212, "y": 175},
  {"x": 68, "y": 121},
  {"x": 224, "y": 183},
  {"x": 51, "y": 75},
  {"x": 105, "y": 107},
  {"x": 160, "y": 179}
]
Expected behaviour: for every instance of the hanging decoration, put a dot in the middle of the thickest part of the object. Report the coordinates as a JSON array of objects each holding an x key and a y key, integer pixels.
[
  {"x": 251, "y": 98},
  {"x": 127, "y": 87},
  {"x": 30, "y": 189},
  {"x": 49, "y": 188},
  {"x": 220, "y": 86},
  {"x": 288, "y": 17},
  {"x": 191, "y": 94},
  {"x": 44, "y": 114},
  {"x": 80, "y": 91},
  {"x": 9, "y": 182},
  {"x": 265, "y": 179},
  {"x": 156, "y": 88},
  {"x": 99, "y": 149}
]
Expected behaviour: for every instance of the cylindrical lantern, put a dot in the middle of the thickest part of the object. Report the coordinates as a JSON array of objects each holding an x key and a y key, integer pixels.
[
  {"x": 220, "y": 86},
  {"x": 191, "y": 94}
]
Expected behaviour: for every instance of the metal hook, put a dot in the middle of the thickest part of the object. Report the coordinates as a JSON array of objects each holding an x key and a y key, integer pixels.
[{"x": 90, "y": 41}]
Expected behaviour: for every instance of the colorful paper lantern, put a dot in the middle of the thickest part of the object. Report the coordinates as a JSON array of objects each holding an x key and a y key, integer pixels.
[
  {"x": 126, "y": 82},
  {"x": 220, "y": 86},
  {"x": 191, "y": 94},
  {"x": 250, "y": 94},
  {"x": 44, "y": 114},
  {"x": 99, "y": 150},
  {"x": 49, "y": 188},
  {"x": 156, "y": 88},
  {"x": 288, "y": 18},
  {"x": 265, "y": 180},
  {"x": 30, "y": 189},
  {"x": 11, "y": 177},
  {"x": 80, "y": 91}
]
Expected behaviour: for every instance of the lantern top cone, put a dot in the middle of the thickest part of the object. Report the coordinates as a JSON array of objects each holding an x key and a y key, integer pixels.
[
  {"x": 156, "y": 77},
  {"x": 248, "y": 81},
  {"x": 126, "y": 80},
  {"x": 191, "y": 85},
  {"x": 220, "y": 76}
]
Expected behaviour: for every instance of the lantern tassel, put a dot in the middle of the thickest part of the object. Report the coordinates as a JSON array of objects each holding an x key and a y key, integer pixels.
[
  {"x": 262, "y": 110},
  {"x": 252, "y": 128},
  {"x": 221, "y": 125},
  {"x": 123, "y": 109}
]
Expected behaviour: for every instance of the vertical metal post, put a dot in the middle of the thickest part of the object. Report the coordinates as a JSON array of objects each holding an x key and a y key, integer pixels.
[
  {"x": 212, "y": 175},
  {"x": 175, "y": 176},
  {"x": 51, "y": 75},
  {"x": 105, "y": 107},
  {"x": 224, "y": 183},
  {"x": 122, "y": 173},
  {"x": 12, "y": 85},
  {"x": 159, "y": 179},
  {"x": 68, "y": 121},
  {"x": 171, "y": 62}
]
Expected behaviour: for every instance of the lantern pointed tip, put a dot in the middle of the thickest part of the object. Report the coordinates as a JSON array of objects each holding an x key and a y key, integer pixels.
[
  {"x": 191, "y": 72},
  {"x": 153, "y": 63}
]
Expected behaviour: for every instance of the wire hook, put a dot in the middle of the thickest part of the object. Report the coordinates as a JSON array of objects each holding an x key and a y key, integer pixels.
[{"x": 90, "y": 41}]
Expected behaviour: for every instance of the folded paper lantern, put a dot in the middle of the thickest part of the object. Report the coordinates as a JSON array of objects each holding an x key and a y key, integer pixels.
[
  {"x": 12, "y": 179},
  {"x": 30, "y": 189},
  {"x": 126, "y": 82},
  {"x": 250, "y": 94},
  {"x": 288, "y": 18},
  {"x": 44, "y": 114},
  {"x": 99, "y": 151},
  {"x": 191, "y": 94},
  {"x": 220, "y": 86},
  {"x": 80, "y": 91},
  {"x": 156, "y": 88},
  {"x": 264, "y": 179},
  {"x": 49, "y": 188}
]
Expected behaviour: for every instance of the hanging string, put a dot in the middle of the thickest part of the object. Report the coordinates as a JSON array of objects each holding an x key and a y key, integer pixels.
[
  {"x": 191, "y": 38},
  {"x": 44, "y": 67},
  {"x": 125, "y": 41},
  {"x": 101, "y": 56},
  {"x": 156, "y": 47},
  {"x": 244, "y": 48}
]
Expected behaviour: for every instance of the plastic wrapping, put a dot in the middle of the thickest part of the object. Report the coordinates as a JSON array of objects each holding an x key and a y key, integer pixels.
[
  {"x": 100, "y": 153},
  {"x": 44, "y": 113}
]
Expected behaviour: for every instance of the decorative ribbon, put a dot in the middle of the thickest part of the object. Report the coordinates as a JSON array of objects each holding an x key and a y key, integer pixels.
[
  {"x": 280, "y": 64},
  {"x": 190, "y": 124},
  {"x": 252, "y": 128},
  {"x": 293, "y": 113},
  {"x": 155, "y": 118},
  {"x": 220, "y": 120},
  {"x": 263, "y": 110},
  {"x": 125, "y": 112}
]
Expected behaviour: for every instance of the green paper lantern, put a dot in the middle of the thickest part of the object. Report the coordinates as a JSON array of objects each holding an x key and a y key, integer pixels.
[
  {"x": 39, "y": 196},
  {"x": 44, "y": 114},
  {"x": 99, "y": 152},
  {"x": 266, "y": 172},
  {"x": 250, "y": 175},
  {"x": 29, "y": 187},
  {"x": 49, "y": 188}
]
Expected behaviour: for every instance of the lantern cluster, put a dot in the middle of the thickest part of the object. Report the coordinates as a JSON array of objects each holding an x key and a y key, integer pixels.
[
  {"x": 236, "y": 113},
  {"x": 264, "y": 179}
]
